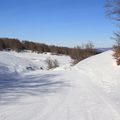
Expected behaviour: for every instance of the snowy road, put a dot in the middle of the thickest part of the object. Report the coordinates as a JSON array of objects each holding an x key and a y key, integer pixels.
[
  {"x": 74, "y": 99},
  {"x": 76, "y": 94}
]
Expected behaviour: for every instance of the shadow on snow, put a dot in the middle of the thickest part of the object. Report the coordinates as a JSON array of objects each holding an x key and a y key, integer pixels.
[{"x": 13, "y": 86}]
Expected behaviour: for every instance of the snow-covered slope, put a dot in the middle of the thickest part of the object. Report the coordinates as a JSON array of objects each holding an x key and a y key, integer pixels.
[
  {"x": 102, "y": 69},
  {"x": 89, "y": 91},
  {"x": 21, "y": 62}
]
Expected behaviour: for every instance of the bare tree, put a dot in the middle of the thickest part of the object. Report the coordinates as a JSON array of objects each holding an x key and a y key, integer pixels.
[
  {"x": 113, "y": 12},
  {"x": 116, "y": 48},
  {"x": 82, "y": 52},
  {"x": 112, "y": 8}
]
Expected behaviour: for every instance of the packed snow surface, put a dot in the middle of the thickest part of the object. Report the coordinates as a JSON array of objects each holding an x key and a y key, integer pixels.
[{"x": 87, "y": 91}]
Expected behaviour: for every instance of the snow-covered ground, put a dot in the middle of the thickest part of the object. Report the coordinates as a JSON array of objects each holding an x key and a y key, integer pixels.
[
  {"x": 87, "y": 91},
  {"x": 19, "y": 62}
]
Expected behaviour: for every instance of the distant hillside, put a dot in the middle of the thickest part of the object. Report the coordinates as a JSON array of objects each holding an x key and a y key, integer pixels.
[
  {"x": 103, "y": 49},
  {"x": 77, "y": 53}
]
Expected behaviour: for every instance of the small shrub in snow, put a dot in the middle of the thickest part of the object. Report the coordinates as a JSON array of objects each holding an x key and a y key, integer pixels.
[
  {"x": 52, "y": 63},
  {"x": 116, "y": 54}
]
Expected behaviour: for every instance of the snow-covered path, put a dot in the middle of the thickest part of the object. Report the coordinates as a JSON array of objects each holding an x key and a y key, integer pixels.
[
  {"x": 83, "y": 101},
  {"x": 76, "y": 99},
  {"x": 63, "y": 95}
]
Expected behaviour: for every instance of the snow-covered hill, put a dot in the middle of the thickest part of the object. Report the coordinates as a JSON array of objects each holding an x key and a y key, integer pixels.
[
  {"x": 88, "y": 91},
  {"x": 24, "y": 61}
]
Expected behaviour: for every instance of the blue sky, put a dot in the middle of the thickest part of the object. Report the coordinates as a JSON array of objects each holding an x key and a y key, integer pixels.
[{"x": 59, "y": 22}]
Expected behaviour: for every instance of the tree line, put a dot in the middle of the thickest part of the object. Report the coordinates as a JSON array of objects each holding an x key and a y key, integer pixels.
[{"x": 77, "y": 53}]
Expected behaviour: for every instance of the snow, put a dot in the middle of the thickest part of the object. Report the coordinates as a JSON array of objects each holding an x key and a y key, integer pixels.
[
  {"x": 87, "y": 91},
  {"x": 19, "y": 62}
]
